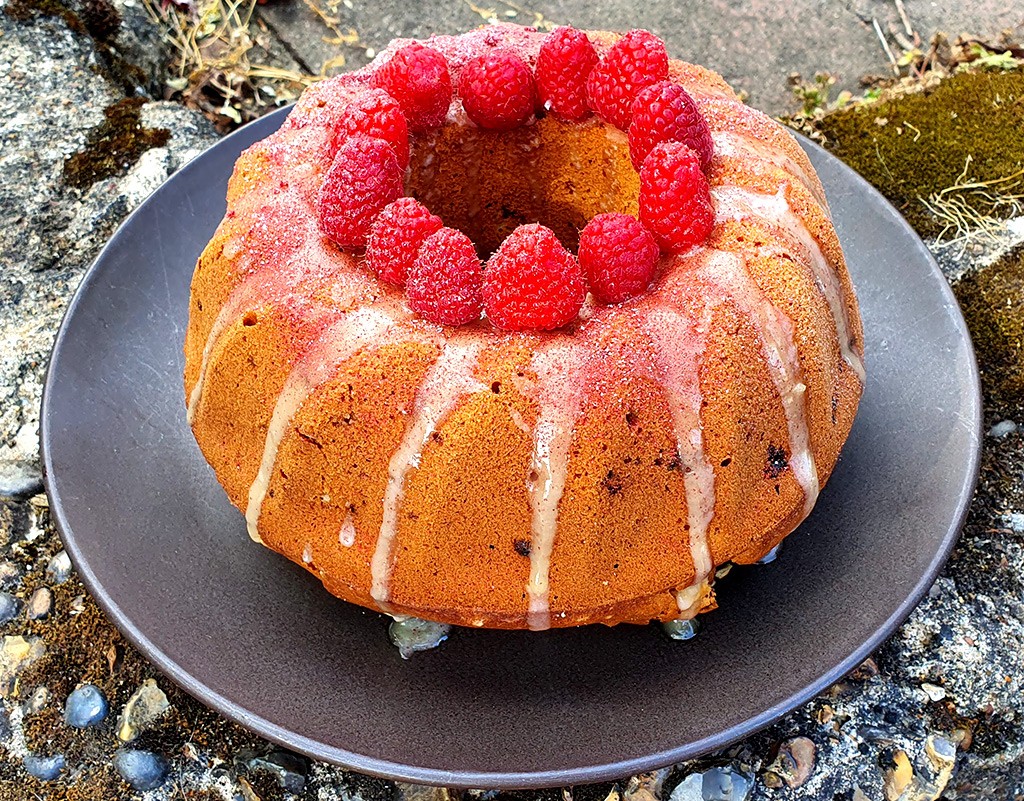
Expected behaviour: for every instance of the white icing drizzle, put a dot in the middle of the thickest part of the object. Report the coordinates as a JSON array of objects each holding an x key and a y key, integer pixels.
[
  {"x": 448, "y": 379},
  {"x": 734, "y": 202},
  {"x": 558, "y": 392},
  {"x": 735, "y": 143},
  {"x": 340, "y": 342},
  {"x": 775, "y": 330},
  {"x": 678, "y": 344},
  {"x": 307, "y": 554},
  {"x": 347, "y": 534}
]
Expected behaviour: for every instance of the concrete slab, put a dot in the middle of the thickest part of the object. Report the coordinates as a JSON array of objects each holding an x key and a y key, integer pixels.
[{"x": 755, "y": 45}]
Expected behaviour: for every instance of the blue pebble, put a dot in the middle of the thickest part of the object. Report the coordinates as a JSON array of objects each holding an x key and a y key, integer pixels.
[
  {"x": 10, "y": 607},
  {"x": 85, "y": 707},
  {"x": 143, "y": 770},
  {"x": 44, "y": 768}
]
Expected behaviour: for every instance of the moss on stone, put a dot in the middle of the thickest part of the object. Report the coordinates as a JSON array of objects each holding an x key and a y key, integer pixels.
[
  {"x": 993, "y": 305},
  {"x": 113, "y": 146},
  {"x": 911, "y": 145}
]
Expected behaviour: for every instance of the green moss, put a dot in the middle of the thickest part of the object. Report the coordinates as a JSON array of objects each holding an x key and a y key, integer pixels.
[
  {"x": 912, "y": 145},
  {"x": 113, "y": 146},
  {"x": 993, "y": 304}
]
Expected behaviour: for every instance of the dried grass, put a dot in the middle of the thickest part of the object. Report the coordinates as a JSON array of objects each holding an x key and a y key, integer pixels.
[
  {"x": 958, "y": 208},
  {"x": 215, "y": 69}
]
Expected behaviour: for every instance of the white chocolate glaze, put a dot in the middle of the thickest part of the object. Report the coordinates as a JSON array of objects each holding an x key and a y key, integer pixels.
[
  {"x": 448, "y": 380},
  {"x": 734, "y": 202},
  {"x": 558, "y": 390}
]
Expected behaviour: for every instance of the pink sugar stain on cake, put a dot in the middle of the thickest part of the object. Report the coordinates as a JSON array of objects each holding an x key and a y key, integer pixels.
[{"x": 677, "y": 341}]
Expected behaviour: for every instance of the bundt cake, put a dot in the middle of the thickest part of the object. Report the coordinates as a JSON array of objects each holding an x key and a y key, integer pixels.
[{"x": 520, "y": 329}]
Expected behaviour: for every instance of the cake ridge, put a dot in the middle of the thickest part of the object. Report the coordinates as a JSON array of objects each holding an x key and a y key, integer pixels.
[
  {"x": 352, "y": 332},
  {"x": 775, "y": 330},
  {"x": 735, "y": 202},
  {"x": 449, "y": 379},
  {"x": 558, "y": 390},
  {"x": 665, "y": 328}
]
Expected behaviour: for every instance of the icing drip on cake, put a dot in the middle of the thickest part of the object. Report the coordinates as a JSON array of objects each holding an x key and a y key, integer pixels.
[
  {"x": 735, "y": 143},
  {"x": 340, "y": 342},
  {"x": 448, "y": 380},
  {"x": 778, "y": 347},
  {"x": 347, "y": 534},
  {"x": 559, "y": 394},
  {"x": 734, "y": 202},
  {"x": 678, "y": 344},
  {"x": 349, "y": 287}
]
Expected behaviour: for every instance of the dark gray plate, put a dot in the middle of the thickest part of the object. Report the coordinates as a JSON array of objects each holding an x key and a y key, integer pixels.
[{"x": 257, "y": 638}]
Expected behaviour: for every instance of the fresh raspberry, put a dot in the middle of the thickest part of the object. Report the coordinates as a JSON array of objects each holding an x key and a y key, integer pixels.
[
  {"x": 445, "y": 280},
  {"x": 665, "y": 112},
  {"x": 532, "y": 282},
  {"x": 675, "y": 199},
  {"x": 636, "y": 61},
  {"x": 618, "y": 256},
  {"x": 497, "y": 90},
  {"x": 376, "y": 114},
  {"x": 363, "y": 179},
  {"x": 563, "y": 64},
  {"x": 396, "y": 236},
  {"x": 417, "y": 77}
]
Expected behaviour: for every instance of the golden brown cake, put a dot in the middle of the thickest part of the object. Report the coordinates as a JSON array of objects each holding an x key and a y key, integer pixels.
[{"x": 597, "y": 473}]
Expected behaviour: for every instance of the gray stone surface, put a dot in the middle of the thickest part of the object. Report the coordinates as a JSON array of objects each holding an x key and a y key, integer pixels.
[
  {"x": 51, "y": 98},
  {"x": 937, "y": 711},
  {"x": 755, "y": 45}
]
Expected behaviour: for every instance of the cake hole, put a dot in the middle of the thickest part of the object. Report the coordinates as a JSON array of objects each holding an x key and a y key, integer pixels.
[
  {"x": 249, "y": 319},
  {"x": 726, "y": 461},
  {"x": 487, "y": 183},
  {"x": 522, "y": 547},
  {"x": 496, "y": 387}
]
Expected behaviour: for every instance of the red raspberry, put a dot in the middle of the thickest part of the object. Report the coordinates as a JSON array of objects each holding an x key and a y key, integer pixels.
[
  {"x": 636, "y": 61},
  {"x": 445, "y": 280},
  {"x": 618, "y": 256},
  {"x": 376, "y": 114},
  {"x": 417, "y": 77},
  {"x": 532, "y": 282},
  {"x": 497, "y": 90},
  {"x": 563, "y": 64},
  {"x": 363, "y": 179},
  {"x": 665, "y": 112},
  {"x": 396, "y": 236},
  {"x": 675, "y": 199}
]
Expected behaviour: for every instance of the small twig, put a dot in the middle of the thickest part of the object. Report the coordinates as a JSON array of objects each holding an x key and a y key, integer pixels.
[
  {"x": 902, "y": 11},
  {"x": 885, "y": 46}
]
